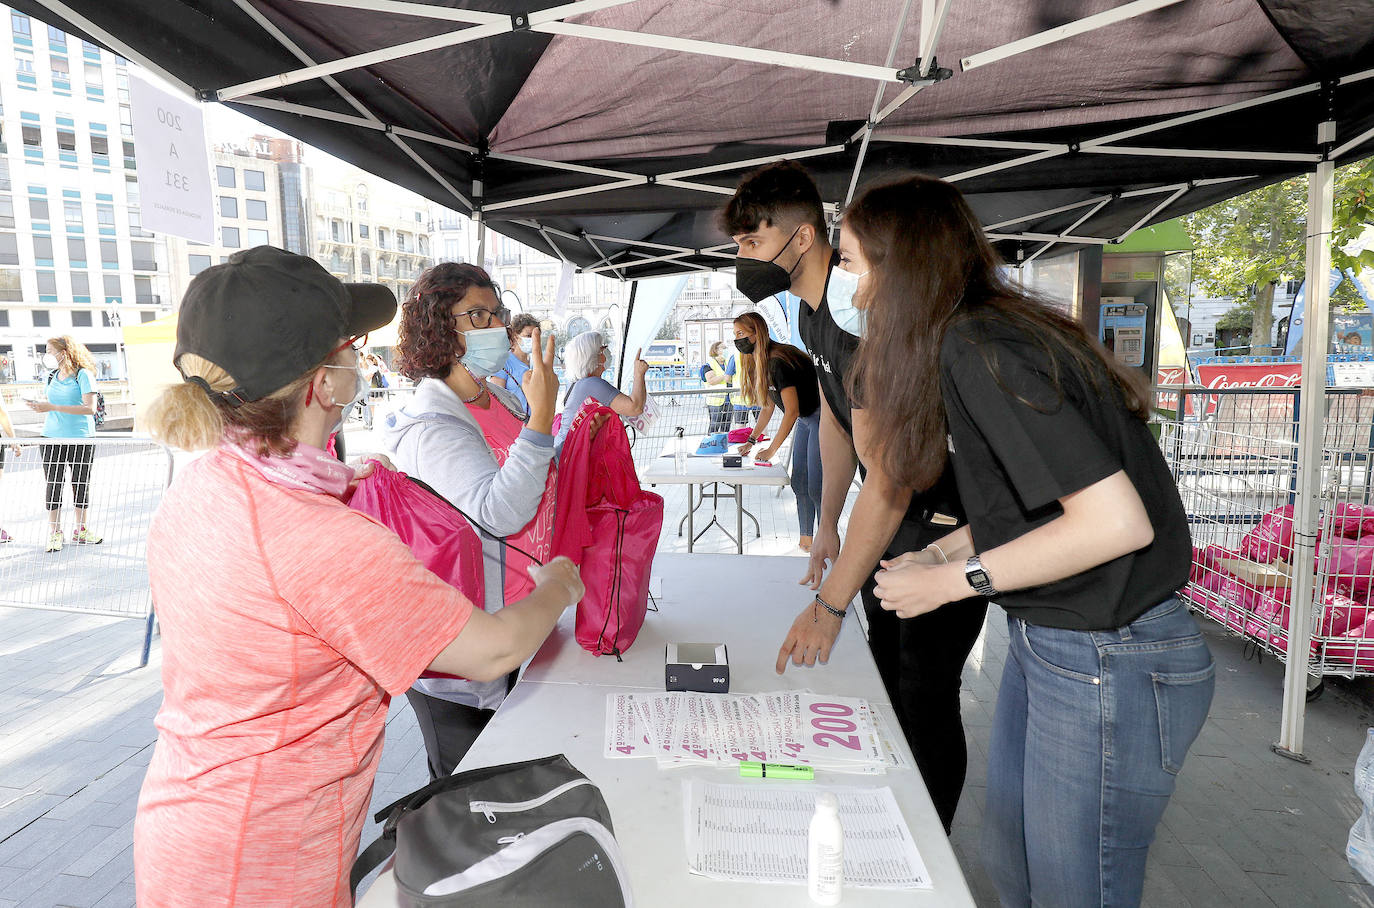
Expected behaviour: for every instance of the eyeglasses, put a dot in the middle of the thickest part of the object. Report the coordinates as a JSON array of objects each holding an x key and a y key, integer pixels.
[
  {"x": 359, "y": 345},
  {"x": 481, "y": 317}
]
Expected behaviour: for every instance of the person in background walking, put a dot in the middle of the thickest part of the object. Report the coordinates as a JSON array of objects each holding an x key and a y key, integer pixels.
[
  {"x": 714, "y": 374},
  {"x": 780, "y": 375},
  {"x": 70, "y": 407},
  {"x": 522, "y": 329},
  {"x": 6, "y": 431}
]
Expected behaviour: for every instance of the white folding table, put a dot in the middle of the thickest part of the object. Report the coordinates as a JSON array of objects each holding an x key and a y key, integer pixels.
[
  {"x": 748, "y": 604},
  {"x": 709, "y": 469}
]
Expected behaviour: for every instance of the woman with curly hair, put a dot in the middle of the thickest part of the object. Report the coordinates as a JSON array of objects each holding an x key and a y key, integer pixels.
[
  {"x": 470, "y": 441},
  {"x": 70, "y": 406}
]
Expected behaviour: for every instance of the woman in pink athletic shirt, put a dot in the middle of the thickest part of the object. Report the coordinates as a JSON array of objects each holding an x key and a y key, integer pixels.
[{"x": 288, "y": 620}]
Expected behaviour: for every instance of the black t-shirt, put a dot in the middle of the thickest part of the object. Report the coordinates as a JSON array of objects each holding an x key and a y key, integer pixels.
[
  {"x": 832, "y": 350},
  {"x": 783, "y": 372},
  {"x": 1019, "y": 446}
]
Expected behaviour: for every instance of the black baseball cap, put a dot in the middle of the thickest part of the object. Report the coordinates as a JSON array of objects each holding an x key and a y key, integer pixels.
[{"x": 268, "y": 316}]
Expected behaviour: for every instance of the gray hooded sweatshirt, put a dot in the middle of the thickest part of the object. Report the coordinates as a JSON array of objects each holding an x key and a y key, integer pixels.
[{"x": 434, "y": 438}]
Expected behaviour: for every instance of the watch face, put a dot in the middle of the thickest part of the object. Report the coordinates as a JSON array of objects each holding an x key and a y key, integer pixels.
[{"x": 979, "y": 577}]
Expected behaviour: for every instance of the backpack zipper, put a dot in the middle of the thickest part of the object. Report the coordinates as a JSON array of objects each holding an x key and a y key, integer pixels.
[{"x": 491, "y": 808}]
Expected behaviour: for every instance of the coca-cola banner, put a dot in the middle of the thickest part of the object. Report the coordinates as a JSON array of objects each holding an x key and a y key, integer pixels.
[{"x": 1250, "y": 375}]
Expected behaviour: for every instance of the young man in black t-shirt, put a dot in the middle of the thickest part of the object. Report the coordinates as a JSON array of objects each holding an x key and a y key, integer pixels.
[{"x": 778, "y": 221}]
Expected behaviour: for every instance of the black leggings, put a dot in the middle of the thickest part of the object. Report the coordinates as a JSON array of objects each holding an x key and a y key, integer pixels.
[
  {"x": 921, "y": 662},
  {"x": 55, "y": 461}
]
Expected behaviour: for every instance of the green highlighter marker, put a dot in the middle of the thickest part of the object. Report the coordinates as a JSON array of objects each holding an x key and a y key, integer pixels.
[{"x": 751, "y": 769}]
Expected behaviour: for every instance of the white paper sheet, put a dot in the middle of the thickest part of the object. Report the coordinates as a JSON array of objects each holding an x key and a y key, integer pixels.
[
  {"x": 758, "y": 834},
  {"x": 840, "y": 734}
]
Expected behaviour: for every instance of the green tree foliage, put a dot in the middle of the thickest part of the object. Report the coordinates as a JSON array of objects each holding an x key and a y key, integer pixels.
[{"x": 1246, "y": 245}]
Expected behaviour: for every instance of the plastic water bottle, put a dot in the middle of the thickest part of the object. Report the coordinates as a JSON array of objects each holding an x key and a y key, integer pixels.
[
  {"x": 825, "y": 857},
  {"x": 680, "y": 453}
]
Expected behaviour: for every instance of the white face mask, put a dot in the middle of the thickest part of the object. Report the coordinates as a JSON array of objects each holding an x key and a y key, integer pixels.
[
  {"x": 839, "y": 296},
  {"x": 49, "y": 361},
  {"x": 527, "y": 345},
  {"x": 359, "y": 386}
]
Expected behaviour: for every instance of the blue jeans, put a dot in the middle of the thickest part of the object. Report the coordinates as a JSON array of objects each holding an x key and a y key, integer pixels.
[
  {"x": 1090, "y": 733},
  {"x": 806, "y": 470}
]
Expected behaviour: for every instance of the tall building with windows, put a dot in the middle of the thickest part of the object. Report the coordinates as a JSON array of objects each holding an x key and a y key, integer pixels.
[
  {"x": 74, "y": 258},
  {"x": 366, "y": 229},
  {"x": 247, "y": 186}
]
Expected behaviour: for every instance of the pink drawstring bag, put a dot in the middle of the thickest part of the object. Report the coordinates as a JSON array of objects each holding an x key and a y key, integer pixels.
[
  {"x": 437, "y": 534},
  {"x": 1272, "y": 538},
  {"x": 741, "y": 435},
  {"x": 609, "y": 526}
]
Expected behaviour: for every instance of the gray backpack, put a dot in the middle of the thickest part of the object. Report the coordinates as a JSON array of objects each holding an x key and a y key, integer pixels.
[{"x": 534, "y": 834}]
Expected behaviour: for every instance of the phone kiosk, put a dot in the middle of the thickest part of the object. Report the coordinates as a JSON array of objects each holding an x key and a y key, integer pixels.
[{"x": 1133, "y": 312}]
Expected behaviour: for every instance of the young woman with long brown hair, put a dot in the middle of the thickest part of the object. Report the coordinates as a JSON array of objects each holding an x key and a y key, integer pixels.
[
  {"x": 1075, "y": 529},
  {"x": 780, "y": 375}
]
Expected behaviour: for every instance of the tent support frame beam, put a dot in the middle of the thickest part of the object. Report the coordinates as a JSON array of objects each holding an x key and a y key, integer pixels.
[
  {"x": 1311, "y": 425},
  {"x": 1069, "y": 30}
]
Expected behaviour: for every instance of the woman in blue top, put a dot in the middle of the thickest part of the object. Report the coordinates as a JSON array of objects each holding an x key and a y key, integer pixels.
[
  {"x": 584, "y": 359},
  {"x": 70, "y": 406},
  {"x": 522, "y": 330}
]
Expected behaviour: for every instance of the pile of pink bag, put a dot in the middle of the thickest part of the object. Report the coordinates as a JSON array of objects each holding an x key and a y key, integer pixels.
[{"x": 1345, "y": 629}]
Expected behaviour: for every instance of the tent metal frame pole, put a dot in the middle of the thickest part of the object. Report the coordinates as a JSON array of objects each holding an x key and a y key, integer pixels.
[
  {"x": 727, "y": 51},
  {"x": 299, "y": 53},
  {"x": 1199, "y": 115},
  {"x": 333, "y": 116},
  {"x": 647, "y": 244},
  {"x": 360, "y": 61},
  {"x": 566, "y": 194},
  {"x": 604, "y": 258},
  {"x": 647, "y": 260},
  {"x": 878, "y": 98},
  {"x": 752, "y": 162},
  {"x": 1353, "y": 143},
  {"x": 1068, "y": 231},
  {"x": 124, "y": 50},
  {"x": 625, "y": 332},
  {"x": 552, "y": 245},
  {"x": 491, "y": 25},
  {"x": 1060, "y": 33},
  {"x": 1006, "y": 165},
  {"x": 1311, "y": 425},
  {"x": 1052, "y": 237},
  {"x": 1048, "y": 212},
  {"x": 1217, "y": 154},
  {"x": 1154, "y": 211},
  {"x": 956, "y": 141}
]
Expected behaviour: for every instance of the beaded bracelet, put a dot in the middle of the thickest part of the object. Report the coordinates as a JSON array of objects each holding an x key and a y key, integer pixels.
[{"x": 828, "y": 607}]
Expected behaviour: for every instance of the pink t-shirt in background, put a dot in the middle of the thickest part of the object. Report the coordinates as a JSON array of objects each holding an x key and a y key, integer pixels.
[{"x": 288, "y": 621}]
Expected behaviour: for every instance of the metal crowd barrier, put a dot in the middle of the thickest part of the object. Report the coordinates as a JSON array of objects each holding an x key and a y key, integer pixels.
[
  {"x": 1233, "y": 454},
  {"x": 126, "y": 482}
]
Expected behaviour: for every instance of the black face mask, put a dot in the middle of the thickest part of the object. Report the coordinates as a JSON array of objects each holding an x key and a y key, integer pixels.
[
  {"x": 744, "y": 345},
  {"x": 760, "y": 280}
]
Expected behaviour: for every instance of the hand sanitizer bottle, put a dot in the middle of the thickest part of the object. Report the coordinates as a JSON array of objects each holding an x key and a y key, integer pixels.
[
  {"x": 680, "y": 453},
  {"x": 825, "y": 859}
]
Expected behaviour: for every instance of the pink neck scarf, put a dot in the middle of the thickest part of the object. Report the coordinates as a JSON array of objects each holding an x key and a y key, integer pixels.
[{"x": 306, "y": 468}]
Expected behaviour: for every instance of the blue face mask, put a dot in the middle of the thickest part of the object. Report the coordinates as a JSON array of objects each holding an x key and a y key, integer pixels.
[
  {"x": 486, "y": 351},
  {"x": 839, "y": 296}
]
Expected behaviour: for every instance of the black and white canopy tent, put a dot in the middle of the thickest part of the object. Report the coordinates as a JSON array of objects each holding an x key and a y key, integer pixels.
[{"x": 608, "y": 132}]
